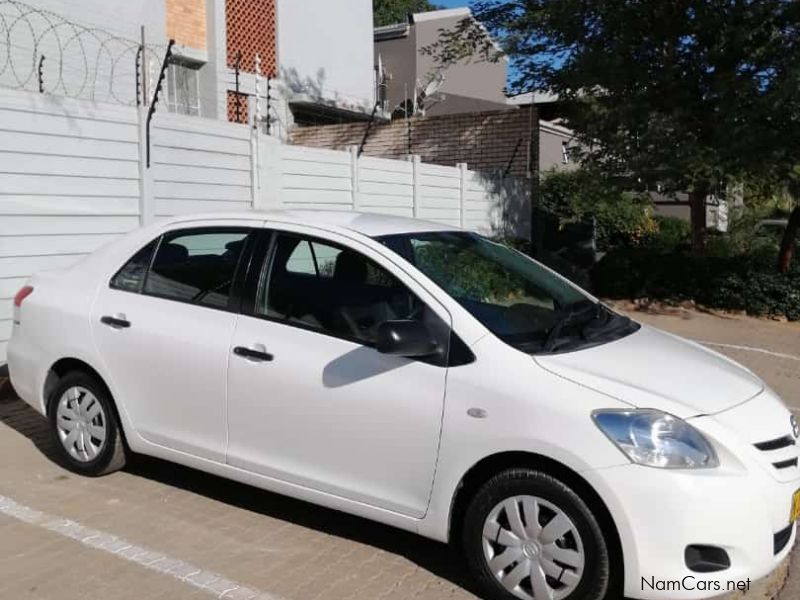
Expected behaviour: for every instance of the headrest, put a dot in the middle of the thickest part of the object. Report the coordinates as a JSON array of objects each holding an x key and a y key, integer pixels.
[
  {"x": 350, "y": 267},
  {"x": 172, "y": 253},
  {"x": 234, "y": 247}
]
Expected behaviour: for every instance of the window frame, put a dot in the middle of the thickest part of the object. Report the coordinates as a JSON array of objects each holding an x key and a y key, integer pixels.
[
  {"x": 155, "y": 242},
  {"x": 175, "y": 104},
  {"x": 261, "y": 265},
  {"x": 242, "y": 264},
  {"x": 262, "y": 282}
]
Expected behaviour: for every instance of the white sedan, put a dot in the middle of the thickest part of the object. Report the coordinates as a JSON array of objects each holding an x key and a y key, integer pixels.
[{"x": 425, "y": 377}]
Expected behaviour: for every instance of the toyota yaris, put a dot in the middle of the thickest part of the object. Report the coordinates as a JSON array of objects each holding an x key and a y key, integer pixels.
[{"x": 425, "y": 377}]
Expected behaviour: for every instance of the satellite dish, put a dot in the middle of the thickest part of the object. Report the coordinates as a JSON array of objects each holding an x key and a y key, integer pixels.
[
  {"x": 435, "y": 82},
  {"x": 428, "y": 95}
]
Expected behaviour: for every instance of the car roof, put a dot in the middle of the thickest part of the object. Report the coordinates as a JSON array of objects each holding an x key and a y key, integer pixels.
[{"x": 366, "y": 223}]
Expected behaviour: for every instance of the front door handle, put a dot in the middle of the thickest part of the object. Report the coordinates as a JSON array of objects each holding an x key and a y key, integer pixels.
[
  {"x": 258, "y": 354},
  {"x": 117, "y": 321}
]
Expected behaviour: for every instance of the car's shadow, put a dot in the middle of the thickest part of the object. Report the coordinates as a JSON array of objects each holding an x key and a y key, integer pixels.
[{"x": 438, "y": 559}]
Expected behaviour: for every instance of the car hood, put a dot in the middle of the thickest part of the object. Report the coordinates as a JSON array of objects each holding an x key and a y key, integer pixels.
[{"x": 654, "y": 369}]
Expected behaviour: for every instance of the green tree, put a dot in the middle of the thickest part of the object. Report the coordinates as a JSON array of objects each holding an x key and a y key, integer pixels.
[
  {"x": 683, "y": 95},
  {"x": 387, "y": 12},
  {"x": 789, "y": 240}
]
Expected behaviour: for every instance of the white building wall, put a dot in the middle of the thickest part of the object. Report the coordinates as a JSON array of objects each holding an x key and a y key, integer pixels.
[
  {"x": 120, "y": 17},
  {"x": 325, "y": 47},
  {"x": 554, "y": 139},
  {"x": 85, "y": 49}
]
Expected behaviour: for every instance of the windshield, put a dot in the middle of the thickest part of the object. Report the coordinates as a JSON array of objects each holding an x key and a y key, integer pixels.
[{"x": 519, "y": 300}]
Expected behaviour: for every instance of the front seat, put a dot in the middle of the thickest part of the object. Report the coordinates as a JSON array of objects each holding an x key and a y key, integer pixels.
[{"x": 360, "y": 307}]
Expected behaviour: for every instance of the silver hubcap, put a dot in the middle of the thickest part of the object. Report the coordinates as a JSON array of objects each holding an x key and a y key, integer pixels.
[
  {"x": 81, "y": 424},
  {"x": 533, "y": 548}
]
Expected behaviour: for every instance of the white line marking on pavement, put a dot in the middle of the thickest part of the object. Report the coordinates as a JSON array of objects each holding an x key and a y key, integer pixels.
[
  {"x": 750, "y": 349},
  {"x": 213, "y": 583}
]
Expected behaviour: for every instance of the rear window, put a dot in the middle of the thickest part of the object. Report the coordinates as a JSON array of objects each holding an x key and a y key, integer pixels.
[{"x": 130, "y": 278}]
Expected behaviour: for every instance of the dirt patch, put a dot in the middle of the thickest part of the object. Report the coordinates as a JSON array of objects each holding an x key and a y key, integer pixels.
[{"x": 683, "y": 309}]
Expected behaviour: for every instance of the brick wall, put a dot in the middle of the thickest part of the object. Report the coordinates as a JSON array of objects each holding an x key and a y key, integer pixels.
[
  {"x": 186, "y": 22},
  {"x": 485, "y": 140}
]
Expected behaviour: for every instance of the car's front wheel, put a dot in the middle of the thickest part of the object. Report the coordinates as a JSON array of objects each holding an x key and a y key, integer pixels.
[
  {"x": 84, "y": 425},
  {"x": 529, "y": 536}
]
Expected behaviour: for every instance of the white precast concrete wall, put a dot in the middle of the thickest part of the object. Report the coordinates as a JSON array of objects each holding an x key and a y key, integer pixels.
[
  {"x": 69, "y": 182},
  {"x": 72, "y": 177},
  {"x": 199, "y": 165},
  {"x": 313, "y": 178},
  {"x": 385, "y": 186},
  {"x": 439, "y": 194}
]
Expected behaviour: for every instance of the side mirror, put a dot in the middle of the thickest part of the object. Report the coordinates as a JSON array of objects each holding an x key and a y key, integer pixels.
[{"x": 405, "y": 338}]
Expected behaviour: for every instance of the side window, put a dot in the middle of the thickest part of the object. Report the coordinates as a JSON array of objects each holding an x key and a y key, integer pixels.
[
  {"x": 196, "y": 266},
  {"x": 131, "y": 277},
  {"x": 302, "y": 260},
  {"x": 313, "y": 258},
  {"x": 339, "y": 292}
]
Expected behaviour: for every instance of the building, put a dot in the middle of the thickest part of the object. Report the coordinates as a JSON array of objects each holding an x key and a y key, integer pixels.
[
  {"x": 407, "y": 73},
  {"x": 555, "y": 139},
  {"x": 311, "y": 79}
]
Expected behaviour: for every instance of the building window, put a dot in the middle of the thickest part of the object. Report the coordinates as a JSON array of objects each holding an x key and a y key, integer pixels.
[
  {"x": 565, "y": 158},
  {"x": 183, "y": 89}
]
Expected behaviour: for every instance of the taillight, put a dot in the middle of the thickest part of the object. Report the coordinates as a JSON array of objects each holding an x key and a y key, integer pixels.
[{"x": 22, "y": 294}]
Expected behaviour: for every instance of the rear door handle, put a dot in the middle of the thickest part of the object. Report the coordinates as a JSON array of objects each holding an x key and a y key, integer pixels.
[
  {"x": 115, "y": 321},
  {"x": 253, "y": 353}
]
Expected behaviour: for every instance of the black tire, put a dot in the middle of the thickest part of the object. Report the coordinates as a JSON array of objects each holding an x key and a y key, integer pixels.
[
  {"x": 112, "y": 455},
  {"x": 594, "y": 582}
]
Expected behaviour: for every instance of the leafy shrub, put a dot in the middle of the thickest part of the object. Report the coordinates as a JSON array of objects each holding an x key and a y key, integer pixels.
[
  {"x": 741, "y": 282},
  {"x": 669, "y": 233},
  {"x": 620, "y": 217}
]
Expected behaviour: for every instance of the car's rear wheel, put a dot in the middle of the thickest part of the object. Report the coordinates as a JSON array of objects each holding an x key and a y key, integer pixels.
[
  {"x": 84, "y": 425},
  {"x": 528, "y": 536}
]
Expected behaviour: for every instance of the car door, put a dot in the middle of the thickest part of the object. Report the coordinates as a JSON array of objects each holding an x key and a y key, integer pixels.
[
  {"x": 310, "y": 400},
  {"x": 163, "y": 327}
]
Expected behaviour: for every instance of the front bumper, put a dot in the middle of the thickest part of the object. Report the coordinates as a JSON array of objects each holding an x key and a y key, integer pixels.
[
  {"x": 742, "y": 507},
  {"x": 659, "y": 513}
]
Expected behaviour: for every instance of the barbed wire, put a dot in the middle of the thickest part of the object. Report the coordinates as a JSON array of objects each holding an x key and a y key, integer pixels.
[{"x": 79, "y": 61}]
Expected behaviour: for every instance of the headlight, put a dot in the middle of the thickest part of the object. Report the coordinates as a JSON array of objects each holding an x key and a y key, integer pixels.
[{"x": 656, "y": 439}]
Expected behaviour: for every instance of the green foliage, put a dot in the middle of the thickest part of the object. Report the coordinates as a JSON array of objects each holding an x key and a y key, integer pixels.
[
  {"x": 692, "y": 95},
  {"x": 738, "y": 282},
  {"x": 388, "y": 12},
  {"x": 670, "y": 233},
  {"x": 467, "y": 274},
  {"x": 620, "y": 217}
]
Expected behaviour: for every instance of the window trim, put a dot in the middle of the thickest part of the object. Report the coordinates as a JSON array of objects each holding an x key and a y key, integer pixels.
[{"x": 237, "y": 282}]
